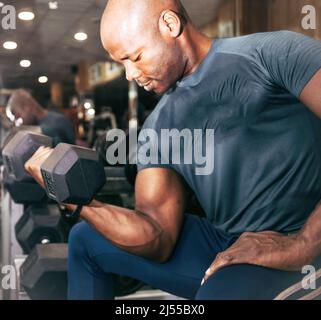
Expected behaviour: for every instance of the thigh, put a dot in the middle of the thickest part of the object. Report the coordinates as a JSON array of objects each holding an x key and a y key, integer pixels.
[
  {"x": 247, "y": 282},
  {"x": 196, "y": 249}
]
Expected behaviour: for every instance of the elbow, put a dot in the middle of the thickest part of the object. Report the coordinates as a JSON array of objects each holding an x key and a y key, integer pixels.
[
  {"x": 163, "y": 251},
  {"x": 163, "y": 258}
]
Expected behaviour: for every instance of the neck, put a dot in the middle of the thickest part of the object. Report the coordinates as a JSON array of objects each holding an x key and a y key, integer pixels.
[{"x": 196, "y": 47}]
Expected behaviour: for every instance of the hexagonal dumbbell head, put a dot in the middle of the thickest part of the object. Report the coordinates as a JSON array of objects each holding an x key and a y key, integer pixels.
[
  {"x": 44, "y": 273},
  {"x": 15, "y": 130},
  {"x": 73, "y": 175},
  {"x": 19, "y": 150},
  {"x": 41, "y": 224},
  {"x": 24, "y": 192}
]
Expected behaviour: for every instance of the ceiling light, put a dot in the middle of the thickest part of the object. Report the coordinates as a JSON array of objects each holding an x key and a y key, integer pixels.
[
  {"x": 26, "y": 15},
  {"x": 25, "y": 63},
  {"x": 1, "y": 4},
  {"x": 81, "y": 36},
  {"x": 10, "y": 45},
  {"x": 87, "y": 105},
  {"x": 53, "y": 5},
  {"x": 43, "y": 79}
]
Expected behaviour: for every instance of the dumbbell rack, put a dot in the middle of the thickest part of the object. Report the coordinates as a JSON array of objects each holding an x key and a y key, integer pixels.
[{"x": 10, "y": 214}]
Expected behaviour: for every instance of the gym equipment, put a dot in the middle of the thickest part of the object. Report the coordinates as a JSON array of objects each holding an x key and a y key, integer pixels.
[
  {"x": 73, "y": 174},
  {"x": 131, "y": 173},
  {"x": 101, "y": 146},
  {"x": 114, "y": 200},
  {"x": 99, "y": 126},
  {"x": 24, "y": 192},
  {"x": 19, "y": 150},
  {"x": 15, "y": 130},
  {"x": 44, "y": 275},
  {"x": 117, "y": 182},
  {"x": 41, "y": 224}
]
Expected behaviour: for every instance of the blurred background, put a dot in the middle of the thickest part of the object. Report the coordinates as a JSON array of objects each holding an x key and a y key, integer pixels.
[
  {"x": 58, "y": 55},
  {"x": 55, "y": 53}
]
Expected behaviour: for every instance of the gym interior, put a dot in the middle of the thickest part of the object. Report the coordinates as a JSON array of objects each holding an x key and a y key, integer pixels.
[{"x": 62, "y": 92}]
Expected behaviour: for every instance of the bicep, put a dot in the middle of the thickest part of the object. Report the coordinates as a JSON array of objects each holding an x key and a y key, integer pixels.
[
  {"x": 160, "y": 194},
  {"x": 311, "y": 94}
]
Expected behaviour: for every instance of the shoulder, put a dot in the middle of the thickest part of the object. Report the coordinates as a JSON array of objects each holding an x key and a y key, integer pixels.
[
  {"x": 245, "y": 44},
  {"x": 57, "y": 116},
  {"x": 251, "y": 46}
]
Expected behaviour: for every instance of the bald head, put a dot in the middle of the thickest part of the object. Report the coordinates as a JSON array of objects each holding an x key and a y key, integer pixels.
[
  {"x": 127, "y": 18},
  {"x": 154, "y": 39}
]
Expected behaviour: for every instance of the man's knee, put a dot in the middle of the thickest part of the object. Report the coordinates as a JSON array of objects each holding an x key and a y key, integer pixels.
[
  {"x": 239, "y": 282},
  {"x": 77, "y": 238}
]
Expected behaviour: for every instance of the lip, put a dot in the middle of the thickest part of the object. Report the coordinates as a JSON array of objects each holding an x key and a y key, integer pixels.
[{"x": 146, "y": 84}]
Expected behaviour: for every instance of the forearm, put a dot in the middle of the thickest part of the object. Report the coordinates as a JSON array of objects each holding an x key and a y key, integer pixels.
[
  {"x": 311, "y": 232},
  {"x": 130, "y": 230}
]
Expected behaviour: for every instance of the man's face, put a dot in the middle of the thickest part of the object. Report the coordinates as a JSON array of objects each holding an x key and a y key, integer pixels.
[{"x": 152, "y": 61}]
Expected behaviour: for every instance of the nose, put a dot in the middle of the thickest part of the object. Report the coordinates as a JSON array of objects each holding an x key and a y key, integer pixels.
[{"x": 132, "y": 73}]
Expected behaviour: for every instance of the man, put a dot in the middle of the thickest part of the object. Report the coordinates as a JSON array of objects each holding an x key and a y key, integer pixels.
[
  {"x": 257, "y": 92},
  {"x": 25, "y": 107}
]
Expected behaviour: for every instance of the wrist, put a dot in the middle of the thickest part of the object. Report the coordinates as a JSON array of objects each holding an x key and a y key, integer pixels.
[
  {"x": 307, "y": 246},
  {"x": 72, "y": 213}
]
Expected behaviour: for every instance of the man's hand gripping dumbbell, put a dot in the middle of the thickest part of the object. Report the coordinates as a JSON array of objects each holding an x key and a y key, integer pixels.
[{"x": 70, "y": 174}]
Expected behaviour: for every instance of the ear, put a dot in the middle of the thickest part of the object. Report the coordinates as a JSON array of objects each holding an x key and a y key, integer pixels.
[{"x": 170, "y": 24}]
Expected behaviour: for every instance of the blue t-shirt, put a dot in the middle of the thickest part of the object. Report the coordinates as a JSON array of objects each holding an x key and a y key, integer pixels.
[
  {"x": 267, "y": 144},
  {"x": 59, "y": 127}
]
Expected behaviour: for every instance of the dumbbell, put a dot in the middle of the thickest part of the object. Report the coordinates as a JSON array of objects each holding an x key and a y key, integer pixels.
[
  {"x": 35, "y": 129},
  {"x": 24, "y": 192},
  {"x": 41, "y": 224},
  {"x": 15, "y": 130},
  {"x": 72, "y": 174},
  {"x": 43, "y": 275},
  {"x": 19, "y": 150}
]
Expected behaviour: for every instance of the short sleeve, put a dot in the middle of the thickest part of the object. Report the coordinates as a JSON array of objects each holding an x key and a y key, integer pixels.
[{"x": 291, "y": 59}]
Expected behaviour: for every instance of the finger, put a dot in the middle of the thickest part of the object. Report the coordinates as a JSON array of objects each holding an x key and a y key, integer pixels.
[
  {"x": 41, "y": 153},
  {"x": 220, "y": 262}
]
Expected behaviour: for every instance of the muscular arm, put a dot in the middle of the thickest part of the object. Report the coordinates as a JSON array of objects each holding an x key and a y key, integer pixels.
[
  {"x": 152, "y": 229},
  {"x": 311, "y": 97}
]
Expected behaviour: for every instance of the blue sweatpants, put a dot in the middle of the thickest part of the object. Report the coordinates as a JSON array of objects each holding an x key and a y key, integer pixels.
[{"x": 93, "y": 261}]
